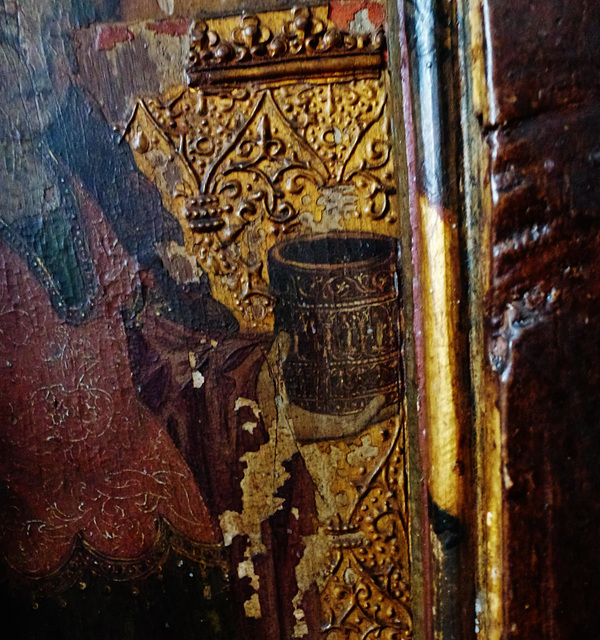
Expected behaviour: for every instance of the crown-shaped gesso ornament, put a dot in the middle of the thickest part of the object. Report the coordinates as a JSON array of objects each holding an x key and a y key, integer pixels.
[{"x": 305, "y": 47}]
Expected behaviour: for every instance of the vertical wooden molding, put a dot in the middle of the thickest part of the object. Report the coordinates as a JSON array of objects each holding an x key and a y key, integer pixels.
[
  {"x": 486, "y": 417},
  {"x": 440, "y": 311},
  {"x": 416, "y": 453}
]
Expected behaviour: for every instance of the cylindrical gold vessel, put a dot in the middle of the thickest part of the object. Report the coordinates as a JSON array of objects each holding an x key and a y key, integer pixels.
[{"x": 338, "y": 297}]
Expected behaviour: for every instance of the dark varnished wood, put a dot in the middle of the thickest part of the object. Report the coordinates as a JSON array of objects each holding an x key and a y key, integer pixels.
[
  {"x": 550, "y": 409},
  {"x": 540, "y": 55},
  {"x": 541, "y": 157},
  {"x": 545, "y": 220}
]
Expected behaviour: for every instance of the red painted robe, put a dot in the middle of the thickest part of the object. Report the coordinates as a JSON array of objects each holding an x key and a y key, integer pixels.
[
  {"x": 79, "y": 453},
  {"x": 85, "y": 448}
]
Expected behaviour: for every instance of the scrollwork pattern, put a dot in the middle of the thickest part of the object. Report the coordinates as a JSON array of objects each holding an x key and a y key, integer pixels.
[
  {"x": 367, "y": 594},
  {"x": 241, "y": 168}
]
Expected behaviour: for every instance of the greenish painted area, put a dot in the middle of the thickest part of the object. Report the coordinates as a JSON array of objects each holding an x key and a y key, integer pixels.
[{"x": 51, "y": 239}]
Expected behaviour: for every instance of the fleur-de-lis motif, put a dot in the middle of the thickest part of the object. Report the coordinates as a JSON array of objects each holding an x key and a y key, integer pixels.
[
  {"x": 252, "y": 38},
  {"x": 302, "y": 30}
]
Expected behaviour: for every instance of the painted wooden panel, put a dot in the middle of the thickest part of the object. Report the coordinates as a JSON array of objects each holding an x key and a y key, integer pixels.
[{"x": 202, "y": 388}]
